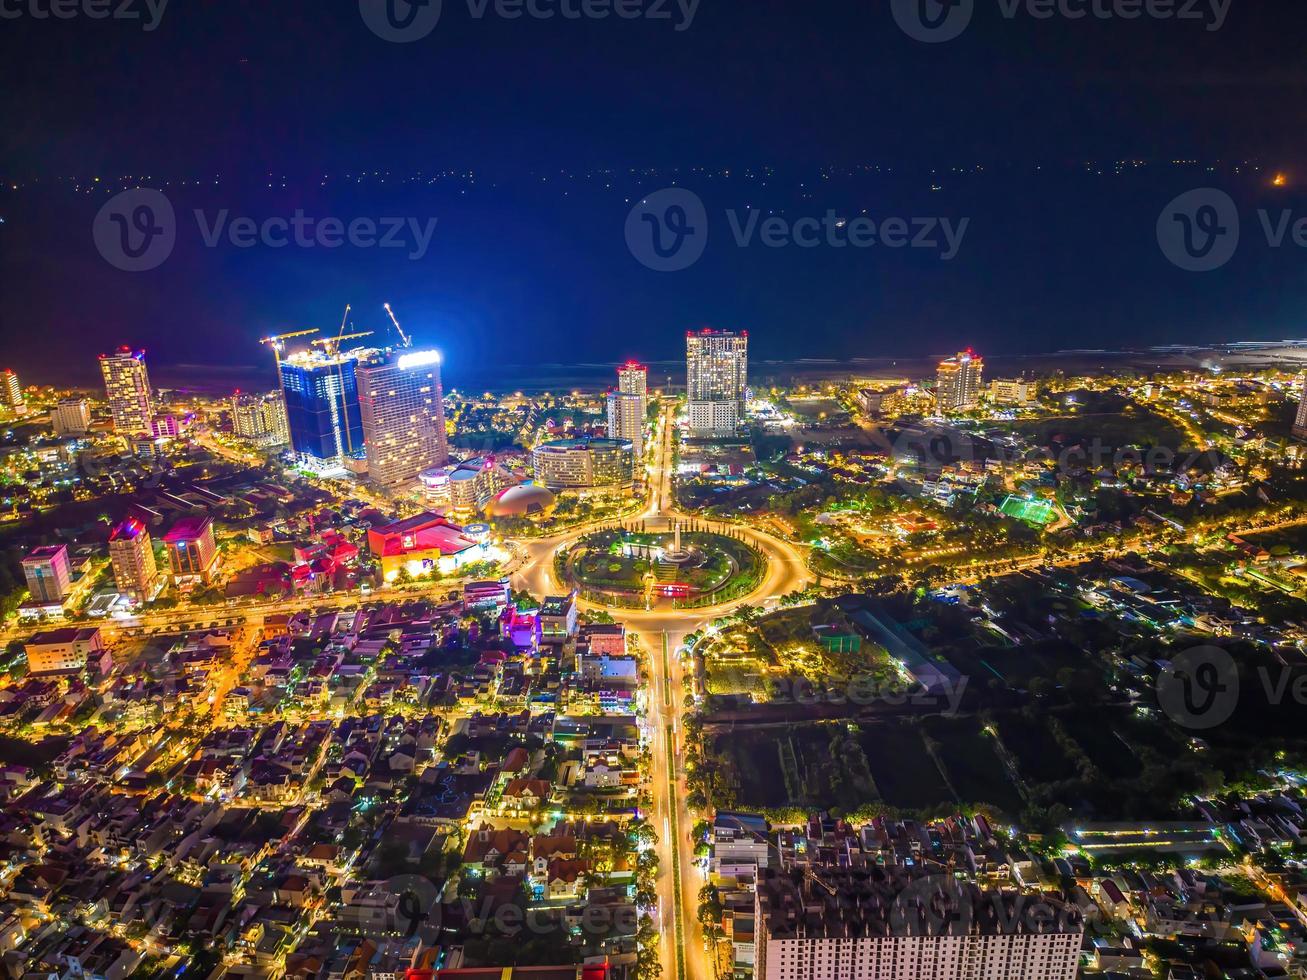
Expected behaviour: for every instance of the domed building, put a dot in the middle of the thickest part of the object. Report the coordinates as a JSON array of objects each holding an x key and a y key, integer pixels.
[{"x": 526, "y": 500}]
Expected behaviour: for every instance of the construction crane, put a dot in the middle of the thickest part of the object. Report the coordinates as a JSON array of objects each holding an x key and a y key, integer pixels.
[
  {"x": 277, "y": 345},
  {"x": 407, "y": 341},
  {"x": 331, "y": 345}
]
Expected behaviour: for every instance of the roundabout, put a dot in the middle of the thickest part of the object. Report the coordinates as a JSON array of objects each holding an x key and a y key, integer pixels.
[{"x": 681, "y": 566}]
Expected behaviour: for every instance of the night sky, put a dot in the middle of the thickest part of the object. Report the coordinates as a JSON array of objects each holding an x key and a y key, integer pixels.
[{"x": 530, "y": 141}]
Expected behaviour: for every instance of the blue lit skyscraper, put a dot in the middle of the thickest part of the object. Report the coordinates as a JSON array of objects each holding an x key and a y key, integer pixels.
[{"x": 322, "y": 409}]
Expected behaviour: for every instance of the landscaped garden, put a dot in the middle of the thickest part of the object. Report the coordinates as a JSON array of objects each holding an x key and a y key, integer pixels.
[{"x": 641, "y": 565}]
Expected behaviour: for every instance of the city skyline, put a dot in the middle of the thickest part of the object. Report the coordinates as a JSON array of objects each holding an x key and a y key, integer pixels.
[{"x": 653, "y": 490}]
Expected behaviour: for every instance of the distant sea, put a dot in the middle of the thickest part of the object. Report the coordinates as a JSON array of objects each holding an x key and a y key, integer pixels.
[{"x": 536, "y": 378}]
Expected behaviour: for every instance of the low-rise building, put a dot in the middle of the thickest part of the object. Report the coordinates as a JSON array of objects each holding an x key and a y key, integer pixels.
[
  {"x": 71, "y": 418},
  {"x": 582, "y": 464},
  {"x": 558, "y": 619},
  {"x": 421, "y": 544},
  {"x": 1019, "y": 393},
  {"x": 740, "y": 838},
  {"x": 66, "y": 651}
]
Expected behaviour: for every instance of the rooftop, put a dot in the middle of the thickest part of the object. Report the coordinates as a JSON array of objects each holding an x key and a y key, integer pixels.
[
  {"x": 188, "y": 529},
  {"x": 841, "y": 903},
  {"x": 583, "y": 443},
  {"x": 67, "y": 634},
  {"x": 45, "y": 552},
  {"x": 128, "y": 529},
  {"x": 422, "y": 532}
]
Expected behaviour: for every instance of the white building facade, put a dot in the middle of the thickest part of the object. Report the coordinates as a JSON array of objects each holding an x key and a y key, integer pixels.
[{"x": 716, "y": 380}]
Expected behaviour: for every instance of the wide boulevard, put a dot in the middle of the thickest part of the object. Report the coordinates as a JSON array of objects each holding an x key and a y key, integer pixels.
[{"x": 663, "y": 630}]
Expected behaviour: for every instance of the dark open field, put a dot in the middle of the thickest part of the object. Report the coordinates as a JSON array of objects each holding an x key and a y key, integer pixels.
[
  {"x": 905, "y": 774},
  {"x": 974, "y": 769},
  {"x": 796, "y": 767},
  {"x": 1040, "y": 758}
]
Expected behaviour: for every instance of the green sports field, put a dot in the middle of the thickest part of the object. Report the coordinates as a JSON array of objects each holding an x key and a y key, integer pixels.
[{"x": 1038, "y": 512}]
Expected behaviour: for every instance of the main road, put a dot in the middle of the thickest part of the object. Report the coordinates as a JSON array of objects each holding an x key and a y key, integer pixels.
[{"x": 663, "y": 630}]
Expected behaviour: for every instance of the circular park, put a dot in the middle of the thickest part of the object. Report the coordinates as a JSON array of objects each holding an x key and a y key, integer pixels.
[{"x": 684, "y": 566}]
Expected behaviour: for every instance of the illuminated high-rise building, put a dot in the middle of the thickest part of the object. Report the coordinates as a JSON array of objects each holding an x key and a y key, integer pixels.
[
  {"x": 274, "y": 418},
  {"x": 127, "y": 388},
  {"x": 837, "y": 924},
  {"x": 403, "y": 410},
  {"x": 1300, "y": 421},
  {"x": 260, "y": 418},
  {"x": 628, "y": 407},
  {"x": 958, "y": 382},
  {"x": 322, "y": 408},
  {"x": 247, "y": 416},
  {"x": 49, "y": 574},
  {"x": 717, "y": 380},
  {"x": 11, "y": 392},
  {"x": 131, "y": 553}
]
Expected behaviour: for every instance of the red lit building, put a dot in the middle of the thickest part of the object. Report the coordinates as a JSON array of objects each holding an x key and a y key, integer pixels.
[{"x": 420, "y": 544}]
